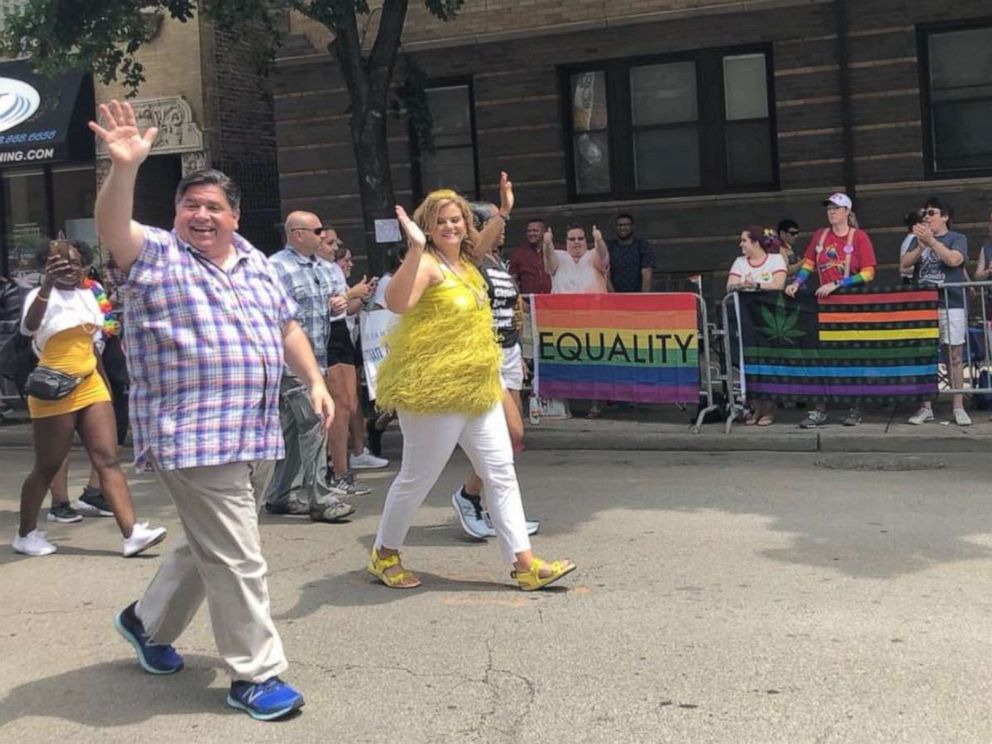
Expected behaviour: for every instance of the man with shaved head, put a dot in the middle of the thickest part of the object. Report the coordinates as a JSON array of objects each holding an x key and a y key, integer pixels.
[{"x": 299, "y": 485}]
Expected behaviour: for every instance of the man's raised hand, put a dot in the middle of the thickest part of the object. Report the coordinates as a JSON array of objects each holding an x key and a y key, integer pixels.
[{"x": 125, "y": 144}]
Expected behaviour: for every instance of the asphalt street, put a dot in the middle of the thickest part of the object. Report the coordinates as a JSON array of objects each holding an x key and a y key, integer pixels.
[{"x": 720, "y": 597}]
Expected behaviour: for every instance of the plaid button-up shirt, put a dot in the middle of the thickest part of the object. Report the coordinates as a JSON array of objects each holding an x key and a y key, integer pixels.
[
  {"x": 205, "y": 354},
  {"x": 310, "y": 283}
]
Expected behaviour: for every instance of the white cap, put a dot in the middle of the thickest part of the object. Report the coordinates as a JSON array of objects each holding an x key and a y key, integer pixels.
[{"x": 839, "y": 199}]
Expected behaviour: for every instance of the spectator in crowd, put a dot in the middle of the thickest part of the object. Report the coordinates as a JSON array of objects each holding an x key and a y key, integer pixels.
[
  {"x": 578, "y": 270},
  {"x": 359, "y": 456},
  {"x": 205, "y": 415},
  {"x": 842, "y": 256},
  {"x": 761, "y": 267},
  {"x": 631, "y": 258},
  {"x": 66, "y": 325},
  {"x": 329, "y": 242},
  {"x": 983, "y": 272},
  {"x": 527, "y": 263},
  {"x": 940, "y": 254},
  {"x": 504, "y": 301},
  {"x": 299, "y": 485},
  {"x": 788, "y": 234},
  {"x": 342, "y": 375},
  {"x": 908, "y": 273}
]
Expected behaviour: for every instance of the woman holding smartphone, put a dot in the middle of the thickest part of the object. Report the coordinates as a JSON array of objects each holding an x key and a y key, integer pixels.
[{"x": 65, "y": 323}]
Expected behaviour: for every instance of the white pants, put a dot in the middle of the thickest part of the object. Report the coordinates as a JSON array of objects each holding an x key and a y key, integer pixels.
[{"x": 428, "y": 441}]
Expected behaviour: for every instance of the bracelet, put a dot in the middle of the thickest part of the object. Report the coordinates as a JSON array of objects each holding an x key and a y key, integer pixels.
[{"x": 39, "y": 298}]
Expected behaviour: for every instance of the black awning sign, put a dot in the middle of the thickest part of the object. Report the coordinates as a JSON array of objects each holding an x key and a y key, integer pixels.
[{"x": 42, "y": 120}]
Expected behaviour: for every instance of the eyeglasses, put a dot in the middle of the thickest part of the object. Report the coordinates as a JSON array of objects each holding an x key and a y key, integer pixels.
[
  {"x": 930, "y": 212},
  {"x": 314, "y": 230},
  {"x": 793, "y": 233}
]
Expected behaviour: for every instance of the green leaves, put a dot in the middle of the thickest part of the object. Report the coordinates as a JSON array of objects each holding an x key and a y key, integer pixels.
[{"x": 782, "y": 325}]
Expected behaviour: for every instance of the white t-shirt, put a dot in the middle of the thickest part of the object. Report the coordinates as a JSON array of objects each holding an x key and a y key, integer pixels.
[
  {"x": 763, "y": 274},
  {"x": 66, "y": 308},
  {"x": 379, "y": 295},
  {"x": 578, "y": 277}
]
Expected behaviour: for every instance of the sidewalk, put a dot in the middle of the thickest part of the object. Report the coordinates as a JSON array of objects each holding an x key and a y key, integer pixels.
[{"x": 667, "y": 429}]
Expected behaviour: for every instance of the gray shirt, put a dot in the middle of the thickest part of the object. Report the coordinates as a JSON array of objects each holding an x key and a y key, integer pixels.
[{"x": 935, "y": 271}]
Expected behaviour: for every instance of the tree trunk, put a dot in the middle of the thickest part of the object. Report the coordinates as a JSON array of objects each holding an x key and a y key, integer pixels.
[
  {"x": 375, "y": 181},
  {"x": 368, "y": 80}
]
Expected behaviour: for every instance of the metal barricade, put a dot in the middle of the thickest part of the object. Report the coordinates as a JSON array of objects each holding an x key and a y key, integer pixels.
[
  {"x": 735, "y": 382},
  {"x": 974, "y": 354}
]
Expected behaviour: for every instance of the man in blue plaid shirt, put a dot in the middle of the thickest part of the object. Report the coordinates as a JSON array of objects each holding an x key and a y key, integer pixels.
[{"x": 208, "y": 328}]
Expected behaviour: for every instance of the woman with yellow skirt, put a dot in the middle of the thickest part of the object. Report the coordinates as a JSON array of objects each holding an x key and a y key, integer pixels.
[
  {"x": 442, "y": 376},
  {"x": 65, "y": 323}
]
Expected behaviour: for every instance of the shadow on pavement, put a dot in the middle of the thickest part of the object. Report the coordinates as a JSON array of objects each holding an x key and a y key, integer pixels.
[{"x": 118, "y": 693}]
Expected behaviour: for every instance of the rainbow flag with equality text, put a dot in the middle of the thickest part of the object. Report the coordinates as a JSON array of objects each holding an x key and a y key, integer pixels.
[
  {"x": 622, "y": 347},
  {"x": 866, "y": 344}
]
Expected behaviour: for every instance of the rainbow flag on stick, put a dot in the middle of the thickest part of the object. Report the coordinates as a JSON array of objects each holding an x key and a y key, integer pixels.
[
  {"x": 623, "y": 347},
  {"x": 867, "y": 344}
]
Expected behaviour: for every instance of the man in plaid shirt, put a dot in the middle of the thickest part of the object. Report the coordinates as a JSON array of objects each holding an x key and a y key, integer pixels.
[
  {"x": 299, "y": 486},
  {"x": 208, "y": 329}
]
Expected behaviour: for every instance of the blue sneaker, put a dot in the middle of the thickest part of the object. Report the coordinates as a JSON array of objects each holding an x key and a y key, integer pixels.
[
  {"x": 264, "y": 701},
  {"x": 155, "y": 658}
]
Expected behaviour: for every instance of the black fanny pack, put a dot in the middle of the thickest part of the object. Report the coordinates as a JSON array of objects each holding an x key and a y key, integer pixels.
[{"x": 50, "y": 384}]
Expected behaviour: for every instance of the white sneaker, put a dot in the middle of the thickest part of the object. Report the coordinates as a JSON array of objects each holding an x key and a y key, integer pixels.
[
  {"x": 531, "y": 526},
  {"x": 34, "y": 543},
  {"x": 961, "y": 417},
  {"x": 366, "y": 461},
  {"x": 142, "y": 538},
  {"x": 921, "y": 416}
]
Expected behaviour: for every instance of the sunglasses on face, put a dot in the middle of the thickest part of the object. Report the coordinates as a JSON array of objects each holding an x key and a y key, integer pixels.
[
  {"x": 314, "y": 230},
  {"x": 793, "y": 233}
]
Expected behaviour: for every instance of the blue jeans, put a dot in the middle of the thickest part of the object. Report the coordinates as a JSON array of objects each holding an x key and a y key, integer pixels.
[{"x": 302, "y": 473}]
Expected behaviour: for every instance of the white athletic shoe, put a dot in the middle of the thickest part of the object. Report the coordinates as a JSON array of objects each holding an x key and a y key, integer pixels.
[
  {"x": 366, "y": 461},
  {"x": 142, "y": 538},
  {"x": 34, "y": 543},
  {"x": 961, "y": 417},
  {"x": 921, "y": 416}
]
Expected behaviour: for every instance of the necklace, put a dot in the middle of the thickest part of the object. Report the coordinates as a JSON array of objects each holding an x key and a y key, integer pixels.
[
  {"x": 480, "y": 297},
  {"x": 111, "y": 326}
]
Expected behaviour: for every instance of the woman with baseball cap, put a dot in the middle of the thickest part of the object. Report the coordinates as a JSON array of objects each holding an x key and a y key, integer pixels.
[{"x": 842, "y": 256}]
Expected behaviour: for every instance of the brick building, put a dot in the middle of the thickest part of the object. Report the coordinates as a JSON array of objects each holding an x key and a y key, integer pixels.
[
  {"x": 212, "y": 108},
  {"x": 699, "y": 117}
]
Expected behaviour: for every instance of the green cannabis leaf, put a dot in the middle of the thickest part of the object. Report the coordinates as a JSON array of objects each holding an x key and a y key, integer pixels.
[{"x": 781, "y": 325}]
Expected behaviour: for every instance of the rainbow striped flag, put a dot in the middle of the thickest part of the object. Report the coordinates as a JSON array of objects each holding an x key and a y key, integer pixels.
[
  {"x": 623, "y": 347},
  {"x": 866, "y": 344}
]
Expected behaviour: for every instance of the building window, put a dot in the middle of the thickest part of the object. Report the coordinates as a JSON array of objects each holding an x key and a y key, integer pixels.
[
  {"x": 698, "y": 123},
  {"x": 452, "y": 164},
  {"x": 957, "y": 99}
]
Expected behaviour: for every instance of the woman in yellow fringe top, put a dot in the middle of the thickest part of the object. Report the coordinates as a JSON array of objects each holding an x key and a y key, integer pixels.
[{"x": 442, "y": 376}]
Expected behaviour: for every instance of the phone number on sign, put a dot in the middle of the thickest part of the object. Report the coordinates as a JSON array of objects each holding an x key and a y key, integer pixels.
[{"x": 17, "y": 139}]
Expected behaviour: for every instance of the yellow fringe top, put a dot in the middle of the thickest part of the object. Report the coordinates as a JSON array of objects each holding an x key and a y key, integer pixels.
[{"x": 443, "y": 355}]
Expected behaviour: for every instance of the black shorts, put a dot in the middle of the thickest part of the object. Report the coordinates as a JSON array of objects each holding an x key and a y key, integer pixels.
[{"x": 340, "y": 349}]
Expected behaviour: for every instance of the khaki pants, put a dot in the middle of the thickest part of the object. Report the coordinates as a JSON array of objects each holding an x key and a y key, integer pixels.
[{"x": 218, "y": 557}]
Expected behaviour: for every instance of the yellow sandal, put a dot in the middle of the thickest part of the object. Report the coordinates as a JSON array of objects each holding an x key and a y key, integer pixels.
[
  {"x": 378, "y": 567},
  {"x": 531, "y": 579}
]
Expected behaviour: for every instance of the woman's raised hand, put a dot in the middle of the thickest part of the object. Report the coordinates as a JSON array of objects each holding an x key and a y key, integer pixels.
[
  {"x": 414, "y": 235},
  {"x": 125, "y": 144},
  {"x": 505, "y": 194}
]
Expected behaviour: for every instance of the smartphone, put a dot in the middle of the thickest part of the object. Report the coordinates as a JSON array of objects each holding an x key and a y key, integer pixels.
[{"x": 60, "y": 248}]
